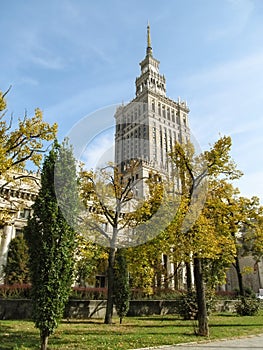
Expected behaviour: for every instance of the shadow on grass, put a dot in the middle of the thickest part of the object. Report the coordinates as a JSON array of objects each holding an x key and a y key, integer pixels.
[
  {"x": 158, "y": 318},
  {"x": 237, "y": 325},
  {"x": 81, "y": 321},
  {"x": 17, "y": 339},
  {"x": 227, "y": 314}
]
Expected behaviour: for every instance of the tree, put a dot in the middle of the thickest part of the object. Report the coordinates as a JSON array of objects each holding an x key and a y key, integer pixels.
[
  {"x": 193, "y": 171},
  {"x": 244, "y": 217},
  {"x": 113, "y": 213},
  {"x": 121, "y": 285},
  {"x": 21, "y": 142},
  {"x": 90, "y": 259},
  {"x": 16, "y": 270},
  {"x": 51, "y": 240},
  {"x": 222, "y": 249}
]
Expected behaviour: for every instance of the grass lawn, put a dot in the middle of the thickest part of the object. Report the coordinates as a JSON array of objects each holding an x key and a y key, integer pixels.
[{"x": 135, "y": 332}]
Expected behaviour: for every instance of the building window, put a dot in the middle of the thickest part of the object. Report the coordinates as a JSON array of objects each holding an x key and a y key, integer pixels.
[
  {"x": 153, "y": 105},
  {"x": 164, "y": 115},
  {"x": 159, "y": 108},
  {"x": 168, "y": 113},
  {"x": 24, "y": 214},
  {"x": 100, "y": 282},
  {"x": 104, "y": 226},
  {"x": 19, "y": 232},
  {"x": 173, "y": 119}
]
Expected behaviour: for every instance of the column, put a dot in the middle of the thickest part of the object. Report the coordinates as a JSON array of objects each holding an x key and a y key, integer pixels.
[{"x": 5, "y": 240}]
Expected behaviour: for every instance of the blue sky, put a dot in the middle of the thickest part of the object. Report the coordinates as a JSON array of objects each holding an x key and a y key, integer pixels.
[{"x": 71, "y": 58}]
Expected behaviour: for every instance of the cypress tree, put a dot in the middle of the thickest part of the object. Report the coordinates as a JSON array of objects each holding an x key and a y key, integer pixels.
[
  {"x": 16, "y": 270},
  {"x": 121, "y": 285},
  {"x": 51, "y": 240}
]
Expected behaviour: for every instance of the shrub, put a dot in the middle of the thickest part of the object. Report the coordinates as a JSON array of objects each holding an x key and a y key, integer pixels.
[
  {"x": 15, "y": 291},
  {"x": 187, "y": 305},
  {"x": 226, "y": 295},
  {"x": 88, "y": 293},
  {"x": 247, "y": 307}
]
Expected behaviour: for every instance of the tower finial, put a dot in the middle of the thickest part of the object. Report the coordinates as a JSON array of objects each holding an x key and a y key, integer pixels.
[{"x": 149, "y": 46}]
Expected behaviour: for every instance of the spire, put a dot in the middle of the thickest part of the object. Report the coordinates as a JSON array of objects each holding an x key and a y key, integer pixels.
[{"x": 149, "y": 50}]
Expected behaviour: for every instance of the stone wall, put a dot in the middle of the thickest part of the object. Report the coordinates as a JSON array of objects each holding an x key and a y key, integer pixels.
[{"x": 18, "y": 309}]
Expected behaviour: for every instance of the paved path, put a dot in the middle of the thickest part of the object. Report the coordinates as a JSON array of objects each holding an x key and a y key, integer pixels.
[{"x": 253, "y": 342}]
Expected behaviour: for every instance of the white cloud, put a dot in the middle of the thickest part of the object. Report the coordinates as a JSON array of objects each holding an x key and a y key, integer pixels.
[
  {"x": 26, "y": 80},
  {"x": 234, "y": 70},
  {"x": 99, "y": 151},
  {"x": 227, "y": 98},
  {"x": 46, "y": 60}
]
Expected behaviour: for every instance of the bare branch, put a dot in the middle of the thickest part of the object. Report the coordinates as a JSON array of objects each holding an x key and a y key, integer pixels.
[{"x": 7, "y": 91}]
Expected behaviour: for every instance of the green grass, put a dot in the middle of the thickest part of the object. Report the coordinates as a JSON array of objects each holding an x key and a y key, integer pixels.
[{"x": 135, "y": 332}]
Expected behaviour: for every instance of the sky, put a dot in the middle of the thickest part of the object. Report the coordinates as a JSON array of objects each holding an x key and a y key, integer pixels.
[{"x": 72, "y": 58}]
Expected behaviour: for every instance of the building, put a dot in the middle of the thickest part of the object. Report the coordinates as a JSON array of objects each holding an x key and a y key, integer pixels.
[
  {"x": 148, "y": 126},
  {"x": 16, "y": 199}
]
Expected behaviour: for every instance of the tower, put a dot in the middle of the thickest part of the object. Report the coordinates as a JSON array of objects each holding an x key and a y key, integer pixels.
[{"x": 148, "y": 126}]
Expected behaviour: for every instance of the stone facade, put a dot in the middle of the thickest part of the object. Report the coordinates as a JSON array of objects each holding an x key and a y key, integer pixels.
[
  {"x": 16, "y": 200},
  {"x": 148, "y": 126}
]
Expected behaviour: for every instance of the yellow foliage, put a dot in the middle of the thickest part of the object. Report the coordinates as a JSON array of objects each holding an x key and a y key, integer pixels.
[{"x": 23, "y": 143}]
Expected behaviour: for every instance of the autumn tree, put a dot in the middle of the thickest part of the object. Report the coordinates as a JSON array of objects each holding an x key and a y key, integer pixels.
[
  {"x": 223, "y": 249},
  {"x": 114, "y": 213},
  {"x": 145, "y": 263},
  {"x": 244, "y": 217},
  {"x": 51, "y": 240},
  {"x": 194, "y": 225},
  {"x": 22, "y": 141},
  {"x": 91, "y": 259}
]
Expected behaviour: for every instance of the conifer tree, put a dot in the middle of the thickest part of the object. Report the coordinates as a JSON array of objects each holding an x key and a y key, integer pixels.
[
  {"x": 16, "y": 270},
  {"x": 51, "y": 241},
  {"x": 121, "y": 285}
]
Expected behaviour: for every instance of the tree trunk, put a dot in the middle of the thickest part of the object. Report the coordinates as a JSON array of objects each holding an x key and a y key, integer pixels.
[
  {"x": 44, "y": 341},
  {"x": 203, "y": 329},
  {"x": 239, "y": 277},
  {"x": 110, "y": 296},
  {"x": 189, "y": 281}
]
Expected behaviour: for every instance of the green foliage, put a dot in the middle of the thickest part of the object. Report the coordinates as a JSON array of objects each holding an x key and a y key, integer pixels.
[
  {"x": 52, "y": 241},
  {"x": 247, "y": 307},
  {"x": 121, "y": 285},
  {"x": 16, "y": 270},
  {"x": 187, "y": 305}
]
